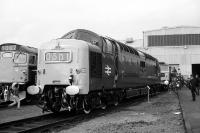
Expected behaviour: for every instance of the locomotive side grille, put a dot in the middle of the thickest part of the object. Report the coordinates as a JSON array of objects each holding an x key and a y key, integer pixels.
[{"x": 95, "y": 64}]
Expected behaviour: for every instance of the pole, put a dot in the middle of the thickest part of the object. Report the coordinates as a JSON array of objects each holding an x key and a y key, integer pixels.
[{"x": 148, "y": 88}]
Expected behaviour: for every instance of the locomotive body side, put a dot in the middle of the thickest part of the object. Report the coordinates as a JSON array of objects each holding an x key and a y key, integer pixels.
[
  {"x": 134, "y": 68},
  {"x": 130, "y": 76}
]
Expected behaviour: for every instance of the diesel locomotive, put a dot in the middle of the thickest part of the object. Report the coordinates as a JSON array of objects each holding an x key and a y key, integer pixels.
[
  {"x": 83, "y": 70},
  {"x": 18, "y": 65}
]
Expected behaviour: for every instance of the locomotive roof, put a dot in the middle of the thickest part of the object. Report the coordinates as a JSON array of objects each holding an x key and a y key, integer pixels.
[
  {"x": 163, "y": 63},
  {"x": 20, "y": 48},
  {"x": 80, "y": 30},
  {"x": 74, "y": 34},
  {"x": 149, "y": 56}
]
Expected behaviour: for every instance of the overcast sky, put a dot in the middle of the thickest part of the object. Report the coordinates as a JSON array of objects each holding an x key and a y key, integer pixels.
[{"x": 32, "y": 22}]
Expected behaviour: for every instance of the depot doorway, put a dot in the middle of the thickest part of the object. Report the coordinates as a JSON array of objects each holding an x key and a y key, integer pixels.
[{"x": 196, "y": 69}]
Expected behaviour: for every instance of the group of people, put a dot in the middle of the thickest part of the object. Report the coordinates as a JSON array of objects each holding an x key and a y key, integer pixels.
[{"x": 194, "y": 86}]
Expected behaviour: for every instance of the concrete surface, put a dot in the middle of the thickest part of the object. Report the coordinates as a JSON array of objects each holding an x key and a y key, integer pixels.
[{"x": 190, "y": 110}]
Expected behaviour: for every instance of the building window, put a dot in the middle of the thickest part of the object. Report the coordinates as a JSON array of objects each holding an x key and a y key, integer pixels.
[{"x": 174, "y": 40}]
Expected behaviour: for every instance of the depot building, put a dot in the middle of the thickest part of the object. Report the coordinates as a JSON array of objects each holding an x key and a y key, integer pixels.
[{"x": 177, "y": 46}]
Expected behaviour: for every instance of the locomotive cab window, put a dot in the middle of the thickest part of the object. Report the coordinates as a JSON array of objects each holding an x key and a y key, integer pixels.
[
  {"x": 69, "y": 36},
  {"x": 121, "y": 46},
  {"x": 20, "y": 58},
  {"x": 108, "y": 47},
  {"x": 88, "y": 38},
  {"x": 32, "y": 59}
]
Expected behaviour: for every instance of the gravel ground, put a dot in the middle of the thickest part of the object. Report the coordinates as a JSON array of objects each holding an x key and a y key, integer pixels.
[{"x": 161, "y": 115}]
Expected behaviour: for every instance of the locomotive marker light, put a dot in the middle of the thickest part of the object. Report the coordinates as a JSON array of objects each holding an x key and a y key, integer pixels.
[
  {"x": 72, "y": 90},
  {"x": 71, "y": 79},
  {"x": 166, "y": 82},
  {"x": 108, "y": 70},
  {"x": 33, "y": 90}
]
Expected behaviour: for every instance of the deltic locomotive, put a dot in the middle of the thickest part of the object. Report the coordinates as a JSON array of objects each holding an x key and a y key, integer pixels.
[
  {"x": 18, "y": 65},
  {"x": 83, "y": 70}
]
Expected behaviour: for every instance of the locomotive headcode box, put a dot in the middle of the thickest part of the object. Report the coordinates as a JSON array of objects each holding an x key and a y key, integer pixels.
[{"x": 8, "y": 47}]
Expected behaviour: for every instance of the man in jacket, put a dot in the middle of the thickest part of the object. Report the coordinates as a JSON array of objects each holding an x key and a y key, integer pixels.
[
  {"x": 192, "y": 86},
  {"x": 198, "y": 83}
]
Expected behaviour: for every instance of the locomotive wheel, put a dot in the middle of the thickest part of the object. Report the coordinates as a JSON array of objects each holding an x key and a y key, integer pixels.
[
  {"x": 55, "y": 107},
  {"x": 103, "y": 104},
  {"x": 116, "y": 101},
  {"x": 29, "y": 99},
  {"x": 86, "y": 106}
]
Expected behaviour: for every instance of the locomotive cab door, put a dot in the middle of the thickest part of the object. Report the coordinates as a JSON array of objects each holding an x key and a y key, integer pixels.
[
  {"x": 109, "y": 64},
  {"x": 32, "y": 69}
]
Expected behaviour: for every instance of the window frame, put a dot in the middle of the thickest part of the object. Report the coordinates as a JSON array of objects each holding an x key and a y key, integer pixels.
[
  {"x": 5, "y": 53},
  {"x": 108, "y": 44},
  {"x": 20, "y": 53},
  {"x": 34, "y": 61}
]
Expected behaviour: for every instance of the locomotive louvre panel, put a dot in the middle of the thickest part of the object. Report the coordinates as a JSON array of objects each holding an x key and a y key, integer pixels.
[
  {"x": 95, "y": 65},
  {"x": 95, "y": 60}
]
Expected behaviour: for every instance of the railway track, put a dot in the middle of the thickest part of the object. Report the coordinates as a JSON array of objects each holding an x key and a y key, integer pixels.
[
  {"x": 63, "y": 120},
  {"x": 38, "y": 123}
]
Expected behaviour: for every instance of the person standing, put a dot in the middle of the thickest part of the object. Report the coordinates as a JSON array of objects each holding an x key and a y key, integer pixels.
[
  {"x": 192, "y": 86},
  {"x": 17, "y": 95},
  {"x": 198, "y": 83}
]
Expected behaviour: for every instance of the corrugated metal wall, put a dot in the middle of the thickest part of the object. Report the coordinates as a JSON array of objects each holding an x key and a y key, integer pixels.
[
  {"x": 173, "y": 40},
  {"x": 179, "y": 45}
]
